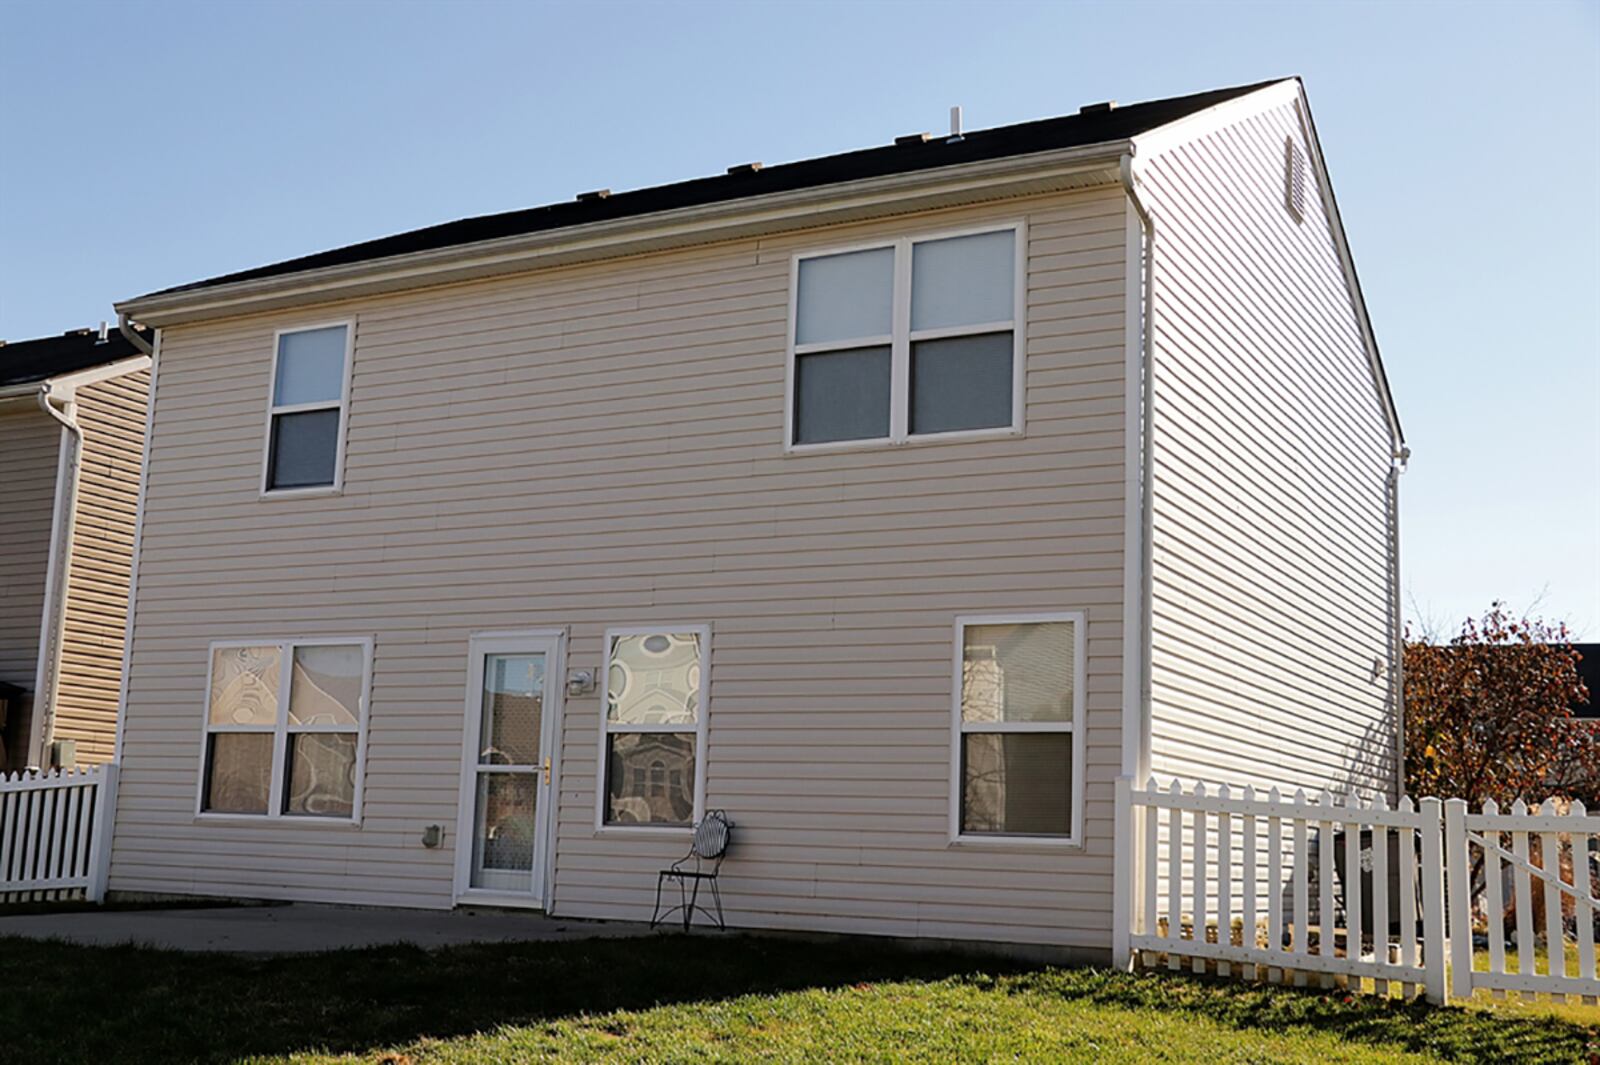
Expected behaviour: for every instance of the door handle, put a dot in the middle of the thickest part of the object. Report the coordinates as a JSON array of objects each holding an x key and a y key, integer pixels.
[{"x": 547, "y": 771}]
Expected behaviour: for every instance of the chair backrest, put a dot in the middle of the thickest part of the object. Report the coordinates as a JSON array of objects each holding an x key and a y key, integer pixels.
[{"x": 712, "y": 836}]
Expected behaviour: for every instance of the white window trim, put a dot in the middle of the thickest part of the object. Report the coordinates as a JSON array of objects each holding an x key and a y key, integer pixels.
[
  {"x": 280, "y": 731},
  {"x": 607, "y": 728},
  {"x": 901, "y": 337},
  {"x": 343, "y": 406},
  {"x": 958, "y": 727}
]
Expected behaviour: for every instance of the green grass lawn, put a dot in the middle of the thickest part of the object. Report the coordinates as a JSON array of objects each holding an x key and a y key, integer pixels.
[{"x": 676, "y": 998}]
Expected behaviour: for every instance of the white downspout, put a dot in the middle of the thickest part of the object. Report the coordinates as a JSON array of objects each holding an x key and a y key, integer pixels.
[
  {"x": 1139, "y": 563},
  {"x": 47, "y": 672},
  {"x": 1397, "y": 648},
  {"x": 1128, "y": 847}
]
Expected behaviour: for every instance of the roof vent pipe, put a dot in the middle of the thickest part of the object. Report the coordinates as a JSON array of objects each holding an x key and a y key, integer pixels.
[
  {"x": 101, "y": 339},
  {"x": 955, "y": 123}
]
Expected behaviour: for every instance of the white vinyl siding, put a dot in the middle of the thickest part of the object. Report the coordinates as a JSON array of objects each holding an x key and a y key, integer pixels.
[
  {"x": 30, "y": 448},
  {"x": 111, "y": 413},
  {"x": 599, "y": 445},
  {"x": 1271, "y": 451}
]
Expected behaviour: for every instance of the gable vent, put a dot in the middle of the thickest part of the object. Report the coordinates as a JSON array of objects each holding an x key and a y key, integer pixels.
[{"x": 1294, "y": 179}]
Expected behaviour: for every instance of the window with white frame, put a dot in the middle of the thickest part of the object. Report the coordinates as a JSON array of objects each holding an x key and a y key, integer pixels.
[
  {"x": 913, "y": 338},
  {"x": 654, "y": 730},
  {"x": 286, "y": 746},
  {"x": 1018, "y": 721},
  {"x": 306, "y": 417}
]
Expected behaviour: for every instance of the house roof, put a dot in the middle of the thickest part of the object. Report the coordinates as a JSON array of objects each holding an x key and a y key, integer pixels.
[
  {"x": 25, "y": 361},
  {"x": 1093, "y": 125}
]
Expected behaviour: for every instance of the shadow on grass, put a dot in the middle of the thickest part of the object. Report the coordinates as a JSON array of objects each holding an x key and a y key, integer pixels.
[
  {"x": 1451, "y": 1033},
  {"x": 69, "y": 1003}
]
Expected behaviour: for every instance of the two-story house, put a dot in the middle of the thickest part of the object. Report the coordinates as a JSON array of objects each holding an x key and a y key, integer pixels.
[
  {"x": 72, "y": 411},
  {"x": 896, "y": 502}
]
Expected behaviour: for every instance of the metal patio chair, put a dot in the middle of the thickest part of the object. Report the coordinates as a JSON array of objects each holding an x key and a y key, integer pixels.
[{"x": 700, "y": 866}]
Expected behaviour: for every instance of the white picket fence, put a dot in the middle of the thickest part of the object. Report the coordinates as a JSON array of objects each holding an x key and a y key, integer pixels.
[
  {"x": 55, "y": 833},
  {"x": 1349, "y": 892}
]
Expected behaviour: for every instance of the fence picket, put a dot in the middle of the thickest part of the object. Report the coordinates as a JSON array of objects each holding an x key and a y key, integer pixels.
[
  {"x": 1555, "y": 939},
  {"x": 1274, "y": 888},
  {"x": 1494, "y": 900},
  {"x": 1522, "y": 888},
  {"x": 1352, "y": 878},
  {"x": 1174, "y": 875},
  {"x": 1302, "y": 889},
  {"x": 1325, "y": 845},
  {"x": 1225, "y": 881},
  {"x": 1198, "y": 874},
  {"x": 1380, "y": 892},
  {"x": 1152, "y": 842},
  {"x": 1583, "y": 878},
  {"x": 1249, "y": 883},
  {"x": 1408, "y": 896}
]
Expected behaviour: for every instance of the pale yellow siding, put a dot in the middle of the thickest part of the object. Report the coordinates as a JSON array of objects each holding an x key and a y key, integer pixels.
[
  {"x": 1271, "y": 593},
  {"x": 111, "y": 414},
  {"x": 30, "y": 448},
  {"x": 602, "y": 445}
]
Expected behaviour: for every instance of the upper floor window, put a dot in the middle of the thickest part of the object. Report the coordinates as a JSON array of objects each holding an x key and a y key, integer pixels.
[
  {"x": 909, "y": 339},
  {"x": 306, "y": 415}
]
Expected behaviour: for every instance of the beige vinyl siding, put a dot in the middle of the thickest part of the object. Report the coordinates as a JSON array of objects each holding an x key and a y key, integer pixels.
[
  {"x": 1270, "y": 573},
  {"x": 30, "y": 449},
  {"x": 602, "y": 445},
  {"x": 111, "y": 413}
]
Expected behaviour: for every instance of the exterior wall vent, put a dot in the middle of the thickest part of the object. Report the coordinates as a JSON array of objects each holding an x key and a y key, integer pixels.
[{"x": 1294, "y": 179}]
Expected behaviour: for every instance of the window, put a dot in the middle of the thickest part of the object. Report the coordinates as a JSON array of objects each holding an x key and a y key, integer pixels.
[
  {"x": 911, "y": 339},
  {"x": 1017, "y": 760},
  {"x": 1294, "y": 179},
  {"x": 654, "y": 730},
  {"x": 306, "y": 415},
  {"x": 276, "y": 748}
]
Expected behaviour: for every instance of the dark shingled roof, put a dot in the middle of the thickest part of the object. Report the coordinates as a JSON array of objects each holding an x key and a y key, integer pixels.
[
  {"x": 1071, "y": 131},
  {"x": 25, "y": 361}
]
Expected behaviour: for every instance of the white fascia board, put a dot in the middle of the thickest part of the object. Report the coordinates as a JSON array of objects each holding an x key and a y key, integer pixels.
[
  {"x": 1014, "y": 176},
  {"x": 1288, "y": 91}
]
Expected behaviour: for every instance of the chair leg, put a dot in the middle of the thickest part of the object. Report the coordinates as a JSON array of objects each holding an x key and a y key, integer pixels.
[
  {"x": 716, "y": 896},
  {"x": 655, "y": 915},
  {"x": 694, "y": 900}
]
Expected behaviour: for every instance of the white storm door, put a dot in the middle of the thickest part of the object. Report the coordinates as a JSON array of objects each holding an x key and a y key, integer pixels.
[{"x": 512, "y": 713}]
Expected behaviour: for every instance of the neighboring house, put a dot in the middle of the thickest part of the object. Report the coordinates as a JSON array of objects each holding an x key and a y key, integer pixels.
[
  {"x": 889, "y": 501},
  {"x": 72, "y": 414}
]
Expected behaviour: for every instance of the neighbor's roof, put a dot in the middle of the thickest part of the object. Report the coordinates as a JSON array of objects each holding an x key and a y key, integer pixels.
[
  {"x": 1589, "y": 672},
  {"x": 1093, "y": 126},
  {"x": 25, "y": 361}
]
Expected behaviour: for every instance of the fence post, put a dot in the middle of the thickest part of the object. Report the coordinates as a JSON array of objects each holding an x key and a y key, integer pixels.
[
  {"x": 1433, "y": 983},
  {"x": 1126, "y": 889},
  {"x": 1458, "y": 873},
  {"x": 105, "y": 816}
]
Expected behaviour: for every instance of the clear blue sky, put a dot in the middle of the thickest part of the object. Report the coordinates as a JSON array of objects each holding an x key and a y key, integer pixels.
[{"x": 148, "y": 144}]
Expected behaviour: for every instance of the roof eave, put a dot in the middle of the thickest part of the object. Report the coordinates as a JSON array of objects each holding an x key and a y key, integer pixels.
[{"x": 993, "y": 179}]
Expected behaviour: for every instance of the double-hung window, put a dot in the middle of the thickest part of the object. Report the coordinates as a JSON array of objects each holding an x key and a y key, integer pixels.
[
  {"x": 1018, "y": 729},
  {"x": 284, "y": 728},
  {"x": 653, "y": 734},
  {"x": 306, "y": 414},
  {"x": 910, "y": 339}
]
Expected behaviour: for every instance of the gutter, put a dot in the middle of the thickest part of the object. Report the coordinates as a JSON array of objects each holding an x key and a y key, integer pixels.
[
  {"x": 125, "y": 327},
  {"x": 47, "y": 672},
  {"x": 992, "y": 179}
]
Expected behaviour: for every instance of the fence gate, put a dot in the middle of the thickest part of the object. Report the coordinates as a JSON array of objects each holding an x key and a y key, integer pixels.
[
  {"x": 1349, "y": 892},
  {"x": 55, "y": 833}
]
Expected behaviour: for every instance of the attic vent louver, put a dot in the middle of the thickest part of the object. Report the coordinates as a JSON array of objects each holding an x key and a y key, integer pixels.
[{"x": 1294, "y": 179}]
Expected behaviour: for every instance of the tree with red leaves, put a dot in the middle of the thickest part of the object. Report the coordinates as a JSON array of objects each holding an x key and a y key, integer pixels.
[{"x": 1488, "y": 714}]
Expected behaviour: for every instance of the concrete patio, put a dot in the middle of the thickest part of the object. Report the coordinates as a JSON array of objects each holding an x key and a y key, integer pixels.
[{"x": 301, "y": 928}]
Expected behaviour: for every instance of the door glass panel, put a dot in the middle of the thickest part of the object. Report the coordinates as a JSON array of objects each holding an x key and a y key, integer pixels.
[
  {"x": 513, "y": 707},
  {"x": 503, "y": 828},
  {"x": 506, "y": 791}
]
